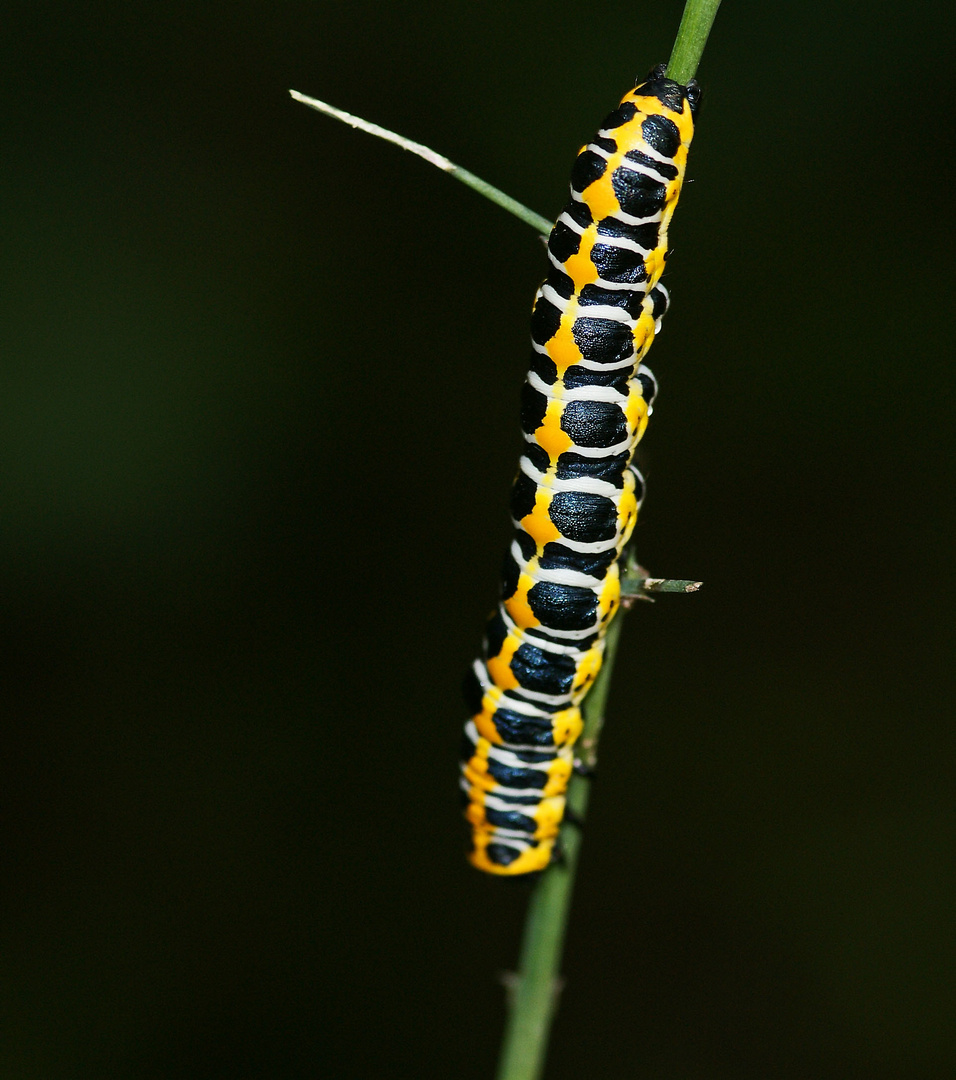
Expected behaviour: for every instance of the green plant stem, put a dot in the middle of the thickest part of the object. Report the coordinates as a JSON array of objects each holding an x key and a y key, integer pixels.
[
  {"x": 535, "y": 996},
  {"x": 433, "y": 158},
  {"x": 691, "y": 38}
]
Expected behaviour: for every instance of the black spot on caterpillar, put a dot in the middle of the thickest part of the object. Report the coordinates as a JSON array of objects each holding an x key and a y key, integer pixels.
[{"x": 584, "y": 409}]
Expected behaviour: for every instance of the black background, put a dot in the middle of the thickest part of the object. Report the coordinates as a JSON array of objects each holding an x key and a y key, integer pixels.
[{"x": 260, "y": 377}]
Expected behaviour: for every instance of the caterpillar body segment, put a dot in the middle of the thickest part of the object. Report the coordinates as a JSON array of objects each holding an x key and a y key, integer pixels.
[{"x": 574, "y": 504}]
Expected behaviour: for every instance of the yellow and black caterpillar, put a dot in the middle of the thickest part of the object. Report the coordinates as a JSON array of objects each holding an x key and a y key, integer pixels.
[{"x": 575, "y": 500}]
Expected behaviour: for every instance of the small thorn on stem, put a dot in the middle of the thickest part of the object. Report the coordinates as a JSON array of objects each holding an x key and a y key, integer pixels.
[{"x": 636, "y": 586}]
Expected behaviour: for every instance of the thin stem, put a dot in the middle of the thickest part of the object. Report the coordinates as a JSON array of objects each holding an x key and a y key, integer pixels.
[
  {"x": 535, "y": 995},
  {"x": 536, "y": 992},
  {"x": 536, "y": 221},
  {"x": 691, "y": 38},
  {"x": 534, "y": 999}
]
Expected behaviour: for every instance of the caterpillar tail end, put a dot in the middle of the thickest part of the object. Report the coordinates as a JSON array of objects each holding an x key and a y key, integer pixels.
[{"x": 485, "y": 855}]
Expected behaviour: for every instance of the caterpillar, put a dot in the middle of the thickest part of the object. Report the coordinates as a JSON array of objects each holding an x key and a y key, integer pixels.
[{"x": 574, "y": 503}]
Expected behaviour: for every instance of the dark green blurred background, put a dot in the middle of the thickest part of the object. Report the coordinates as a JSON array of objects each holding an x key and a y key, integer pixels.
[{"x": 260, "y": 379}]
